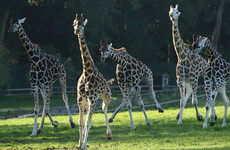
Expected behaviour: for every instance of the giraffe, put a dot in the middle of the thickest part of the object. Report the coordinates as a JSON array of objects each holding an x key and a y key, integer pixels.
[
  {"x": 130, "y": 71},
  {"x": 188, "y": 68},
  {"x": 44, "y": 71},
  {"x": 91, "y": 85},
  {"x": 217, "y": 74}
]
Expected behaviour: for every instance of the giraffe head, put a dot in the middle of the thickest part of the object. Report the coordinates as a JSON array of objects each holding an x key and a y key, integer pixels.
[
  {"x": 174, "y": 13},
  {"x": 79, "y": 24},
  {"x": 199, "y": 43},
  {"x": 15, "y": 24},
  {"x": 105, "y": 50}
]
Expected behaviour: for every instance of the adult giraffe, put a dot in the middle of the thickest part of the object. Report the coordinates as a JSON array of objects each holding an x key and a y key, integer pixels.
[{"x": 44, "y": 71}]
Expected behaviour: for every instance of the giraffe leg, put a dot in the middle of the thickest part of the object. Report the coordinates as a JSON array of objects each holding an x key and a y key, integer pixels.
[
  {"x": 129, "y": 105},
  {"x": 141, "y": 104},
  {"x": 226, "y": 104},
  {"x": 117, "y": 110},
  {"x": 54, "y": 123},
  {"x": 109, "y": 133},
  {"x": 183, "y": 99},
  {"x": 65, "y": 99},
  {"x": 152, "y": 93},
  {"x": 126, "y": 92},
  {"x": 195, "y": 102},
  {"x": 88, "y": 123},
  {"x": 44, "y": 93},
  {"x": 208, "y": 91},
  {"x": 36, "y": 109},
  {"x": 106, "y": 100},
  {"x": 81, "y": 120},
  {"x": 213, "y": 114}
]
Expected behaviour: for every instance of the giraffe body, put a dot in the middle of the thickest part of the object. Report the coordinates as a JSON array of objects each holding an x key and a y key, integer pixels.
[
  {"x": 44, "y": 71},
  {"x": 130, "y": 72},
  {"x": 91, "y": 86},
  {"x": 188, "y": 68},
  {"x": 217, "y": 74}
]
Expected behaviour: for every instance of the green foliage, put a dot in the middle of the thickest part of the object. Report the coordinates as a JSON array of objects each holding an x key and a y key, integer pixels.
[
  {"x": 142, "y": 26},
  {"x": 163, "y": 134}
]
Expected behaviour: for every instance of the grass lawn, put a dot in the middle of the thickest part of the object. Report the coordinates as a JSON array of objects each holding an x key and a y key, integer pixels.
[{"x": 163, "y": 134}]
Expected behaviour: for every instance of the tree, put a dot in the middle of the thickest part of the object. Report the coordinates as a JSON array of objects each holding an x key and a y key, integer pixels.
[{"x": 217, "y": 28}]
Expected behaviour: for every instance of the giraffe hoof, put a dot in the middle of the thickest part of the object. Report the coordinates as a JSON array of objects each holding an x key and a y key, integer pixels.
[
  {"x": 110, "y": 120},
  {"x": 39, "y": 131},
  {"x": 224, "y": 125},
  {"x": 109, "y": 138},
  {"x": 212, "y": 123},
  {"x": 215, "y": 117},
  {"x": 133, "y": 129},
  {"x": 160, "y": 110},
  {"x": 177, "y": 117},
  {"x": 55, "y": 124},
  {"x": 33, "y": 134},
  {"x": 72, "y": 125},
  {"x": 179, "y": 122},
  {"x": 200, "y": 118},
  {"x": 148, "y": 123}
]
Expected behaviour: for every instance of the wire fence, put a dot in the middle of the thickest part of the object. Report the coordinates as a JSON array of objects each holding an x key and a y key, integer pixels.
[{"x": 19, "y": 113}]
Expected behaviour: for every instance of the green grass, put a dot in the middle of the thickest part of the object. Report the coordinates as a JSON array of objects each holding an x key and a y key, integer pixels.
[
  {"x": 163, "y": 134},
  {"x": 27, "y": 102}
]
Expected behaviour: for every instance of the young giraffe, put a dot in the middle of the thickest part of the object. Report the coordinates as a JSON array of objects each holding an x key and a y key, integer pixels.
[
  {"x": 188, "y": 69},
  {"x": 90, "y": 86},
  {"x": 217, "y": 74},
  {"x": 130, "y": 71},
  {"x": 44, "y": 71}
]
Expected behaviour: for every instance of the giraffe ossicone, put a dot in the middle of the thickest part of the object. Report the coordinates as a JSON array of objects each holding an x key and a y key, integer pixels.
[{"x": 44, "y": 71}]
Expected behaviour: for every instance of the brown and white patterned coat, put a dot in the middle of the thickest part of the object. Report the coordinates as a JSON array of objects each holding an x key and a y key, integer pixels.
[
  {"x": 188, "y": 68},
  {"x": 90, "y": 86},
  {"x": 44, "y": 71},
  {"x": 130, "y": 72},
  {"x": 217, "y": 74}
]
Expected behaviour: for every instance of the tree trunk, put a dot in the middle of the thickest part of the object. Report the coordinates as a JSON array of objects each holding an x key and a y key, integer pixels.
[
  {"x": 3, "y": 27},
  {"x": 216, "y": 31}
]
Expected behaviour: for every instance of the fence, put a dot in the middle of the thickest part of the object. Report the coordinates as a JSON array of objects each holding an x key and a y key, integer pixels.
[
  {"x": 73, "y": 90},
  {"x": 18, "y": 113}
]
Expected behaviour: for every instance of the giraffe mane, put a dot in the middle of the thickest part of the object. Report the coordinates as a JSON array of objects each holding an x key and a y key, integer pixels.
[
  {"x": 119, "y": 49},
  {"x": 36, "y": 45}
]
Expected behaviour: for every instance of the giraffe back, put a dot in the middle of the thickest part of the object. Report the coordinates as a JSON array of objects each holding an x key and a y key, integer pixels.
[{"x": 45, "y": 69}]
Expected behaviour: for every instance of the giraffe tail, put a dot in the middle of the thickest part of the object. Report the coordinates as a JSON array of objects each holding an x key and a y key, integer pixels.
[
  {"x": 149, "y": 79},
  {"x": 76, "y": 78}
]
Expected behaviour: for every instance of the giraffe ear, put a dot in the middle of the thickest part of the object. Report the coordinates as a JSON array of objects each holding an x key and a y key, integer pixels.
[
  {"x": 20, "y": 21},
  {"x": 110, "y": 82},
  {"x": 85, "y": 22},
  {"x": 110, "y": 45},
  {"x": 177, "y": 5}
]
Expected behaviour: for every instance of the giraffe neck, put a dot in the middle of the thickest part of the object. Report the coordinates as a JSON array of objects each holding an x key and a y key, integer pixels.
[
  {"x": 178, "y": 42},
  {"x": 212, "y": 53},
  {"x": 87, "y": 60},
  {"x": 119, "y": 56},
  {"x": 31, "y": 50}
]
